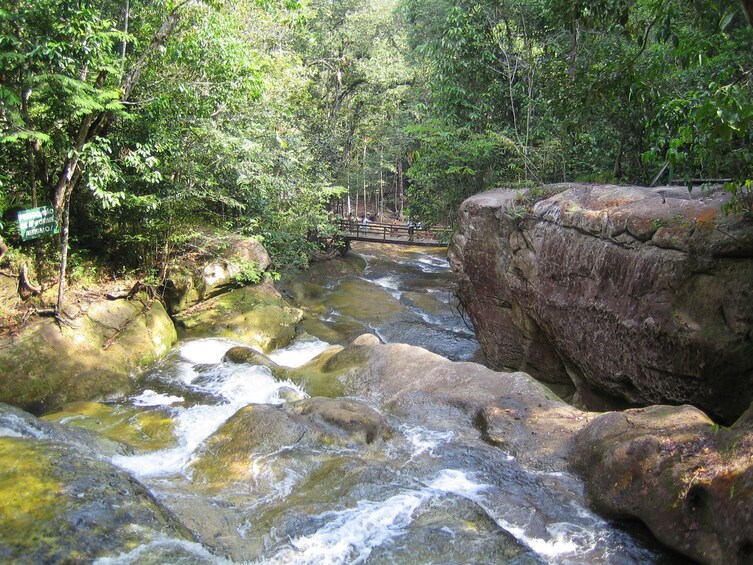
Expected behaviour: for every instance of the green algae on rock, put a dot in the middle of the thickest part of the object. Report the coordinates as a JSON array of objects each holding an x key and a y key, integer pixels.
[
  {"x": 93, "y": 356},
  {"x": 256, "y": 315},
  {"x": 138, "y": 429},
  {"x": 259, "y": 430},
  {"x": 63, "y": 503}
]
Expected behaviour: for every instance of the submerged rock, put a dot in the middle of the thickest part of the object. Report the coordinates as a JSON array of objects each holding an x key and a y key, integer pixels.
[
  {"x": 93, "y": 356},
  {"x": 642, "y": 296},
  {"x": 62, "y": 503}
]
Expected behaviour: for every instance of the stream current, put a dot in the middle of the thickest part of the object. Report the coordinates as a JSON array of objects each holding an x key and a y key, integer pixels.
[{"x": 432, "y": 492}]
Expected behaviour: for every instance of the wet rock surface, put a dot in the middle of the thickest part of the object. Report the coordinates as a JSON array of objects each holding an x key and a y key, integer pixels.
[
  {"x": 63, "y": 503},
  {"x": 256, "y": 315},
  {"x": 262, "y": 429},
  {"x": 630, "y": 294},
  {"x": 688, "y": 479},
  {"x": 511, "y": 410}
]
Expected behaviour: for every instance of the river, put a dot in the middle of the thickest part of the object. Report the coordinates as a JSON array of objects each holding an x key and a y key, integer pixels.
[{"x": 430, "y": 492}]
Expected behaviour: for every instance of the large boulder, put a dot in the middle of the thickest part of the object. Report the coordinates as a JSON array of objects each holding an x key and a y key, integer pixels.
[
  {"x": 256, "y": 315},
  {"x": 216, "y": 263},
  {"x": 92, "y": 354},
  {"x": 689, "y": 480},
  {"x": 510, "y": 410},
  {"x": 62, "y": 503},
  {"x": 641, "y": 296}
]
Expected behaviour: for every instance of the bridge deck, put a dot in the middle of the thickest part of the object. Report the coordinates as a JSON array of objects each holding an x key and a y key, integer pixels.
[{"x": 395, "y": 234}]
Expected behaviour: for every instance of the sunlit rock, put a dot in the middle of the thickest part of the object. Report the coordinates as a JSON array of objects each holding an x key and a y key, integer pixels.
[
  {"x": 250, "y": 356},
  {"x": 220, "y": 261},
  {"x": 689, "y": 480},
  {"x": 256, "y": 315},
  {"x": 258, "y": 430},
  {"x": 92, "y": 356},
  {"x": 136, "y": 428},
  {"x": 629, "y": 295},
  {"x": 63, "y": 503}
]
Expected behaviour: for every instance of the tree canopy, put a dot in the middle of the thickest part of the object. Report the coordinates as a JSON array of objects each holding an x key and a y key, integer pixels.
[{"x": 140, "y": 121}]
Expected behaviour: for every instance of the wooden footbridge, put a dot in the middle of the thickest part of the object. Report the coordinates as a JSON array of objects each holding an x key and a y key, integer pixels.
[{"x": 394, "y": 234}]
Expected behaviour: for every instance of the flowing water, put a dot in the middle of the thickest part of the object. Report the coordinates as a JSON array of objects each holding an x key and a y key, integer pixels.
[{"x": 430, "y": 492}]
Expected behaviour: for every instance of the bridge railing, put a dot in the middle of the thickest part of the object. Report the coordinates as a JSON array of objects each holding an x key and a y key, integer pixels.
[{"x": 376, "y": 231}]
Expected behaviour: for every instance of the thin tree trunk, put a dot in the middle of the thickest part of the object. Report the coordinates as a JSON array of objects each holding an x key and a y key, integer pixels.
[
  {"x": 381, "y": 183},
  {"x": 93, "y": 125},
  {"x": 124, "y": 47},
  {"x": 63, "y": 255},
  {"x": 363, "y": 164}
]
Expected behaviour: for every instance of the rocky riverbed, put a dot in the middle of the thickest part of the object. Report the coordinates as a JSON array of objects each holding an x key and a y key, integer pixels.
[{"x": 366, "y": 452}]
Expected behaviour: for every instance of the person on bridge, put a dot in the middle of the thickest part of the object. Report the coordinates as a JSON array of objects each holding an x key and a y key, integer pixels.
[{"x": 411, "y": 228}]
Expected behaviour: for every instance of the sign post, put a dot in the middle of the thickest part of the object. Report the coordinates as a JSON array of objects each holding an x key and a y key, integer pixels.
[{"x": 37, "y": 222}]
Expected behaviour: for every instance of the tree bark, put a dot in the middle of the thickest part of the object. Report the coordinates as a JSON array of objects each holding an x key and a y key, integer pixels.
[
  {"x": 748, "y": 7},
  {"x": 63, "y": 255},
  {"x": 24, "y": 284}
]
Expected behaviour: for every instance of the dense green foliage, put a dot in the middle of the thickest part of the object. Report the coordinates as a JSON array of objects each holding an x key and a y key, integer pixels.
[
  {"x": 148, "y": 119},
  {"x": 604, "y": 91}
]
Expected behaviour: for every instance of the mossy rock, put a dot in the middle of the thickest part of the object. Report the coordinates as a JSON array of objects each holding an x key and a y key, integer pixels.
[
  {"x": 217, "y": 264},
  {"x": 61, "y": 504},
  {"x": 91, "y": 357},
  {"x": 249, "y": 356},
  {"x": 259, "y": 430},
  {"x": 137, "y": 428},
  {"x": 256, "y": 315},
  {"x": 319, "y": 377}
]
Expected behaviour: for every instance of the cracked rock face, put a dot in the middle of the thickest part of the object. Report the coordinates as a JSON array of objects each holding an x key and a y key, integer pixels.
[{"x": 637, "y": 295}]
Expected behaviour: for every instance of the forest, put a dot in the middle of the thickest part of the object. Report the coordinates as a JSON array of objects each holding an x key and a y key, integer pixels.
[{"x": 140, "y": 121}]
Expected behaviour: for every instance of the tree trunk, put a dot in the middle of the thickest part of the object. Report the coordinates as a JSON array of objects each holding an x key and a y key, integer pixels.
[
  {"x": 748, "y": 7},
  {"x": 63, "y": 255},
  {"x": 93, "y": 125},
  {"x": 365, "y": 205}
]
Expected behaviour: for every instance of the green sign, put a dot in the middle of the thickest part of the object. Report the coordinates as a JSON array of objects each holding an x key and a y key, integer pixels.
[{"x": 37, "y": 222}]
